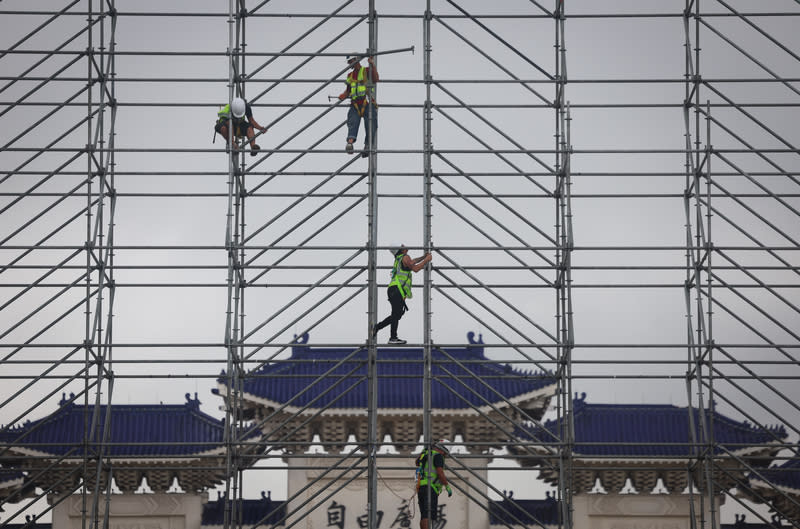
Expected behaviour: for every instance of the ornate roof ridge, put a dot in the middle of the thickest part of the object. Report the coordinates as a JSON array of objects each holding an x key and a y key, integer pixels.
[
  {"x": 137, "y": 430},
  {"x": 642, "y": 430},
  {"x": 334, "y": 378}
]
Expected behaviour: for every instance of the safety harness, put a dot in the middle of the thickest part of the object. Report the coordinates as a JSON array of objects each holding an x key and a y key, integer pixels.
[
  {"x": 358, "y": 92},
  {"x": 427, "y": 472},
  {"x": 401, "y": 278}
]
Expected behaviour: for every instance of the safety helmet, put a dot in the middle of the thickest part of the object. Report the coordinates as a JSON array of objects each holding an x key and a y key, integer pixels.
[
  {"x": 441, "y": 446},
  {"x": 352, "y": 59},
  {"x": 238, "y": 107},
  {"x": 396, "y": 248}
]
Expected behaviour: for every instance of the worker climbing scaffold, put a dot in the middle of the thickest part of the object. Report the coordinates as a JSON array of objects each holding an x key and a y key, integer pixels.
[
  {"x": 361, "y": 90},
  {"x": 239, "y": 115},
  {"x": 399, "y": 289},
  {"x": 430, "y": 480}
]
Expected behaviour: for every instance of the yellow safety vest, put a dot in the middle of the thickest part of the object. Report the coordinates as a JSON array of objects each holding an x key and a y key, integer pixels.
[
  {"x": 358, "y": 86},
  {"x": 427, "y": 472},
  {"x": 224, "y": 112},
  {"x": 401, "y": 278}
]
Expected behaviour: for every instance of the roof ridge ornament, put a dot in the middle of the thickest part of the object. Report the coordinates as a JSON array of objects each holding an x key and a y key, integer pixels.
[
  {"x": 471, "y": 338},
  {"x": 192, "y": 403},
  {"x": 299, "y": 341},
  {"x": 64, "y": 400}
]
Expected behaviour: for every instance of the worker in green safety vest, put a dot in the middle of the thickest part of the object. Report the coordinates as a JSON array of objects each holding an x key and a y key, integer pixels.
[
  {"x": 360, "y": 88},
  {"x": 239, "y": 115},
  {"x": 399, "y": 289},
  {"x": 430, "y": 480}
]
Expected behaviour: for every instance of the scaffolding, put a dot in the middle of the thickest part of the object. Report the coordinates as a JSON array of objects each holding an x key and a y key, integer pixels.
[{"x": 129, "y": 240}]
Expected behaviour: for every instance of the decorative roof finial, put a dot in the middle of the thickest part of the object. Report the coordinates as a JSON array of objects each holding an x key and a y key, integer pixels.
[
  {"x": 472, "y": 340},
  {"x": 192, "y": 403}
]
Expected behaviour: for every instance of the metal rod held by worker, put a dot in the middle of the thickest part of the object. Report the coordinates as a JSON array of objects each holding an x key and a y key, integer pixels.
[{"x": 398, "y": 50}]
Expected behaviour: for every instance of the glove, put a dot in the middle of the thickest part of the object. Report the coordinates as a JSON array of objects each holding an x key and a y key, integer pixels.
[{"x": 449, "y": 490}]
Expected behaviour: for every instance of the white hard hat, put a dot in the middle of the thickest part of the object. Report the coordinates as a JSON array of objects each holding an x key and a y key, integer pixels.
[
  {"x": 395, "y": 248},
  {"x": 441, "y": 446},
  {"x": 238, "y": 107}
]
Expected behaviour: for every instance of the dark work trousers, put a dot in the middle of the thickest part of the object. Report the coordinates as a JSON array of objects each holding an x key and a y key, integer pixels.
[
  {"x": 422, "y": 503},
  {"x": 354, "y": 122},
  {"x": 398, "y": 308}
]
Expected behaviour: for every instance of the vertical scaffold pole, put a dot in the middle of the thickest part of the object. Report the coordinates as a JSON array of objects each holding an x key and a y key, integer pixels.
[
  {"x": 427, "y": 149},
  {"x": 232, "y": 511},
  {"x": 372, "y": 354},
  {"x": 238, "y": 428},
  {"x": 106, "y": 238},
  {"x": 99, "y": 244},
  {"x": 563, "y": 283},
  {"x": 89, "y": 517},
  {"x": 99, "y": 265},
  {"x": 698, "y": 332},
  {"x": 709, "y": 345}
]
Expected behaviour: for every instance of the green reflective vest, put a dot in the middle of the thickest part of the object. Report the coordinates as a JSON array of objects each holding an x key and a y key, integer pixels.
[
  {"x": 224, "y": 112},
  {"x": 358, "y": 86},
  {"x": 401, "y": 278},
  {"x": 427, "y": 472}
]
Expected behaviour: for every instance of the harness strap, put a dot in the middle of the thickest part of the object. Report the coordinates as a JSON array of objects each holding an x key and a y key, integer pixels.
[{"x": 361, "y": 108}]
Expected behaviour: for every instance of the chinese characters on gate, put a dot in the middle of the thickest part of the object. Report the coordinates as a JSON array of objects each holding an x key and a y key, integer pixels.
[{"x": 337, "y": 517}]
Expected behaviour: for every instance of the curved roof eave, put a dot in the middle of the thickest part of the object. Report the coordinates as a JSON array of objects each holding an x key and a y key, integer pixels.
[
  {"x": 24, "y": 451},
  {"x": 618, "y": 458},
  {"x": 540, "y": 393},
  {"x": 12, "y": 483},
  {"x": 771, "y": 486}
]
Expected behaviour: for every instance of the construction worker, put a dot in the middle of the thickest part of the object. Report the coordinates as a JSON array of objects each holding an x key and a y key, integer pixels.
[
  {"x": 243, "y": 123},
  {"x": 399, "y": 289},
  {"x": 360, "y": 87},
  {"x": 430, "y": 480}
]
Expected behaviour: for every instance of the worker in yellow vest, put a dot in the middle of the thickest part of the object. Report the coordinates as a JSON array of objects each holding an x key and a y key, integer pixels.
[
  {"x": 361, "y": 91},
  {"x": 238, "y": 114},
  {"x": 399, "y": 289},
  {"x": 430, "y": 480}
]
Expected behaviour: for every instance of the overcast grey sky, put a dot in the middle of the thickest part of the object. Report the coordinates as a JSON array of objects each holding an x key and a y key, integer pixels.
[{"x": 626, "y": 90}]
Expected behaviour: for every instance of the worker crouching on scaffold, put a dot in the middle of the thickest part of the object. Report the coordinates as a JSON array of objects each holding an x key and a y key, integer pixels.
[
  {"x": 430, "y": 480},
  {"x": 399, "y": 289},
  {"x": 242, "y": 121},
  {"x": 361, "y": 90}
]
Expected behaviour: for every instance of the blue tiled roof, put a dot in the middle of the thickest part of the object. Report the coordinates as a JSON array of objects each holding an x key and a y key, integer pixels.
[
  {"x": 786, "y": 475},
  {"x": 400, "y": 374},
  {"x": 529, "y": 513},
  {"x": 10, "y": 477},
  {"x": 137, "y": 430},
  {"x": 255, "y": 513},
  {"x": 651, "y": 430}
]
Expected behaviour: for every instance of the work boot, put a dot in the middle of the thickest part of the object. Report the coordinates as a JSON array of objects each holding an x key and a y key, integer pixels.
[
  {"x": 396, "y": 340},
  {"x": 254, "y": 149},
  {"x": 364, "y": 153},
  {"x": 348, "y": 148}
]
